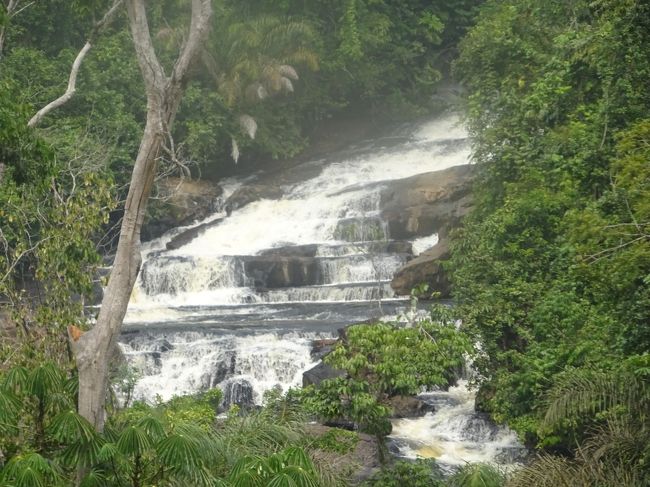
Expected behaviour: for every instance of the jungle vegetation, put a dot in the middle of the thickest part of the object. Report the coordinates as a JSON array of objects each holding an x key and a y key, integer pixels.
[{"x": 550, "y": 272}]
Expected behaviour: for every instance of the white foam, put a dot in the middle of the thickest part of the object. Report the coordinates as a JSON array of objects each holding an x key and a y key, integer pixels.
[
  {"x": 455, "y": 434},
  {"x": 424, "y": 243}
]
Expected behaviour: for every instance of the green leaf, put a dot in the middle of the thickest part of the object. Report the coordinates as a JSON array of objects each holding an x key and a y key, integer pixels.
[
  {"x": 70, "y": 426},
  {"x": 179, "y": 451},
  {"x": 134, "y": 441}
]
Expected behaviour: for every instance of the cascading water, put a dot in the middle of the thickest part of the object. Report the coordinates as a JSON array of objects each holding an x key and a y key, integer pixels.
[
  {"x": 239, "y": 302},
  {"x": 455, "y": 434}
]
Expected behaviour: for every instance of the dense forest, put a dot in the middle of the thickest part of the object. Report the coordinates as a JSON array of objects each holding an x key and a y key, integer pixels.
[{"x": 550, "y": 272}]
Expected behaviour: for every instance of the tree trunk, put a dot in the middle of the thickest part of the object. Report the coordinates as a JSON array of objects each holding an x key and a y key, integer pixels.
[{"x": 93, "y": 349}]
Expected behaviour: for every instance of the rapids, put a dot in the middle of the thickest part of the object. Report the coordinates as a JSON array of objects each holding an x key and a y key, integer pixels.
[{"x": 240, "y": 305}]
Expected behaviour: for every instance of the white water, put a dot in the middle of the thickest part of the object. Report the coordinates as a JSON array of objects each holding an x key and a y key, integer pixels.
[
  {"x": 191, "y": 361},
  {"x": 315, "y": 211},
  {"x": 214, "y": 312},
  {"x": 455, "y": 434}
]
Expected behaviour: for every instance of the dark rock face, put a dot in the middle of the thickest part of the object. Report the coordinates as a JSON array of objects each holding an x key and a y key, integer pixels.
[
  {"x": 433, "y": 202},
  {"x": 319, "y": 373},
  {"x": 224, "y": 369},
  {"x": 409, "y": 407},
  {"x": 320, "y": 348},
  {"x": 239, "y": 392},
  {"x": 425, "y": 268},
  {"x": 184, "y": 201},
  {"x": 418, "y": 207},
  {"x": 272, "y": 272},
  {"x": 187, "y": 236},
  {"x": 253, "y": 192}
]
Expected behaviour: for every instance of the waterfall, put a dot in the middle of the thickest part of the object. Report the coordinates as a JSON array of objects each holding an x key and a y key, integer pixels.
[{"x": 238, "y": 299}]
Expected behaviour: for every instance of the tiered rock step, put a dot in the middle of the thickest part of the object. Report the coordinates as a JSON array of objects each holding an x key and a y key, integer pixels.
[{"x": 340, "y": 269}]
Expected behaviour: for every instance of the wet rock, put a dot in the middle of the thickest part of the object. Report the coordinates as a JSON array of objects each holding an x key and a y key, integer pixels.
[
  {"x": 408, "y": 407},
  {"x": 369, "y": 247},
  {"x": 426, "y": 268},
  {"x": 361, "y": 229},
  {"x": 427, "y": 203},
  {"x": 320, "y": 348},
  {"x": 308, "y": 250},
  {"x": 190, "y": 234},
  {"x": 319, "y": 373},
  {"x": 224, "y": 369},
  {"x": 270, "y": 272},
  {"x": 181, "y": 201},
  {"x": 253, "y": 192},
  {"x": 238, "y": 392}
]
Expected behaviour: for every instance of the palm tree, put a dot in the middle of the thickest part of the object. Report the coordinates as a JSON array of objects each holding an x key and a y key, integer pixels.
[
  {"x": 255, "y": 59},
  {"x": 617, "y": 448}
]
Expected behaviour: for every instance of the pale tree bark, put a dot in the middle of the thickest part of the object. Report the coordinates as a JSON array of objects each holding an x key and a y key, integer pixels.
[
  {"x": 12, "y": 8},
  {"x": 74, "y": 71},
  {"x": 93, "y": 349}
]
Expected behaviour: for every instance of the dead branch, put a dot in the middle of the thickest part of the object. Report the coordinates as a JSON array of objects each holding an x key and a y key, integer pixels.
[{"x": 74, "y": 71}]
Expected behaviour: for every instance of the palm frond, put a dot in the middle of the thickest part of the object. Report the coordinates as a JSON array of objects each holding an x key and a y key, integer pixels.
[
  {"x": 69, "y": 426},
  {"x": 44, "y": 380},
  {"x": 29, "y": 470},
  {"x": 587, "y": 392},
  {"x": 179, "y": 452},
  {"x": 10, "y": 407},
  {"x": 133, "y": 441},
  {"x": 16, "y": 379},
  {"x": 546, "y": 471},
  {"x": 94, "y": 478}
]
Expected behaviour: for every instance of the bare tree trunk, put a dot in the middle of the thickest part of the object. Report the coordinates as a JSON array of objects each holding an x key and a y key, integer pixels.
[{"x": 93, "y": 349}]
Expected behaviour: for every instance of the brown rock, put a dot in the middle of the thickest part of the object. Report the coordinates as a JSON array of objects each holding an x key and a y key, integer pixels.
[
  {"x": 182, "y": 202},
  {"x": 408, "y": 407},
  {"x": 425, "y": 268},
  {"x": 427, "y": 203}
]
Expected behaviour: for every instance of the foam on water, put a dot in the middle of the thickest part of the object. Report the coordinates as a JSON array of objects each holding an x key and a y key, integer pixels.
[
  {"x": 455, "y": 434},
  {"x": 178, "y": 363}
]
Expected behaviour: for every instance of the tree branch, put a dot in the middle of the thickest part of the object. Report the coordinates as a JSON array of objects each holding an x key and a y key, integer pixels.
[
  {"x": 200, "y": 23},
  {"x": 69, "y": 92},
  {"x": 74, "y": 71},
  {"x": 150, "y": 67}
]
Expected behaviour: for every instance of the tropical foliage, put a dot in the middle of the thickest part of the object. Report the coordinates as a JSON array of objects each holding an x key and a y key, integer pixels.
[
  {"x": 181, "y": 442},
  {"x": 383, "y": 360},
  {"x": 551, "y": 270}
]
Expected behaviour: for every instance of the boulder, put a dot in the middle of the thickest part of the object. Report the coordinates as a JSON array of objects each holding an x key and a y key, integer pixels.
[
  {"x": 237, "y": 392},
  {"x": 190, "y": 234},
  {"x": 427, "y": 203},
  {"x": 320, "y": 348},
  {"x": 319, "y": 373},
  {"x": 181, "y": 202},
  {"x": 253, "y": 192},
  {"x": 425, "y": 268},
  {"x": 408, "y": 407}
]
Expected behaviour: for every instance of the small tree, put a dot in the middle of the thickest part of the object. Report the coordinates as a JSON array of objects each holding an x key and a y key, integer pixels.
[{"x": 164, "y": 92}]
